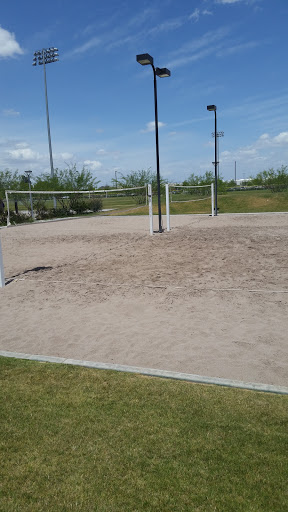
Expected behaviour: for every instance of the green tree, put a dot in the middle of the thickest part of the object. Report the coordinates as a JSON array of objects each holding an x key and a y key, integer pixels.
[
  {"x": 10, "y": 180},
  {"x": 140, "y": 179},
  {"x": 273, "y": 179},
  {"x": 67, "y": 179},
  {"x": 206, "y": 179},
  {"x": 45, "y": 181},
  {"x": 194, "y": 180}
]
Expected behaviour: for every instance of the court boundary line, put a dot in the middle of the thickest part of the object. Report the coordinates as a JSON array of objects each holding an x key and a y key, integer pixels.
[
  {"x": 152, "y": 372},
  {"x": 128, "y": 285}
]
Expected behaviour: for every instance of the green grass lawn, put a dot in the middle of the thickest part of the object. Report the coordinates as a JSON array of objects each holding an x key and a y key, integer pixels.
[
  {"x": 246, "y": 201},
  {"x": 78, "y": 439},
  {"x": 253, "y": 201}
]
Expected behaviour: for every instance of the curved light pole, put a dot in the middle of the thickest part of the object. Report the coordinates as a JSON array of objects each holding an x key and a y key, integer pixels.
[
  {"x": 42, "y": 57},
  {"x": 212, "y": 108},
  {"x": 145, "y": 59}
]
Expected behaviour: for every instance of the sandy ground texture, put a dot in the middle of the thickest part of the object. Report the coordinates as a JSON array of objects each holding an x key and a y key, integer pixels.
[{"x": 209, "y": 297}]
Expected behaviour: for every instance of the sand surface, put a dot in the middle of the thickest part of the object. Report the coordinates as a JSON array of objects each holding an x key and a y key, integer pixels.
[{"x": 209, "y": 298}]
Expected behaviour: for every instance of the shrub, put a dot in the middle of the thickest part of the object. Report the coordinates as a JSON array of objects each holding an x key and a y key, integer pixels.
[
  {"x": 95, "y": 204},
  {"x": 59, "y": 212},
  {"x": 77, "y": 204},
  {"x": 15, "y": 218},
  {"x": 40, "y": 209}
]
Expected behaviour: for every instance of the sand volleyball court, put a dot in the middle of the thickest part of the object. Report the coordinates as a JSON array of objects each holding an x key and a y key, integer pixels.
[{"x": 209, "y": 297}]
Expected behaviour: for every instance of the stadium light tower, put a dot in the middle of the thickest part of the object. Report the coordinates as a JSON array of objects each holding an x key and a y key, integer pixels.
[
  {"x": 43, "y": 57},
  {"x": 218, "y": 135},
  {"x": 146, "y": 59},
  {"x": 213, "y": 108}
]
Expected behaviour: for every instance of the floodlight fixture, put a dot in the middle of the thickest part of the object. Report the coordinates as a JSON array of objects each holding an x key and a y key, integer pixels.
[
  {"x": 218, "y": 134},
  {"x": 163, "y": 72},
  {"x": 145, "y": 59},
  {"x": 211, "y": 108}
]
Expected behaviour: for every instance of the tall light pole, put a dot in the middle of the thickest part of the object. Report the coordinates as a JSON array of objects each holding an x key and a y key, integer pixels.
[
  {"x": 28, "y": 179},
  {"x": 213, "y": 108},
  {"x": 146, "y": 59},
  {"x": 43, "y": 57}
]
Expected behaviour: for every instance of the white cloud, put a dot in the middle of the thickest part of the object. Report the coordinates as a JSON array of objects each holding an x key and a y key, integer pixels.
[
  {"x": 195, "y": 15},
  {"x": 150, "y": 127},
  {"x": 10, "y": 112},
  {"x": 227, "y": 1},
  {"x": 167, "y": 26},
  {"x": 8, "y": 44},
  {"x": 248, "y": 2},
  {"x": 108, "y": 154},
  {"x": 281, "y": 139},
  {"x": 92, "y": 43},
  {"x": 93, "y": 164},
  {"x": 198, "y": 48},
  {"x": 266, "y": 150},
  {"x": 66, "y": 156},
  {"x": 238, "y": 48},
  {"x": 23, "y": 154}
]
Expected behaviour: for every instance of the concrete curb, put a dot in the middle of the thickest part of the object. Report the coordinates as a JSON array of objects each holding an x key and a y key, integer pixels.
[{"x": 151, "y": 372}]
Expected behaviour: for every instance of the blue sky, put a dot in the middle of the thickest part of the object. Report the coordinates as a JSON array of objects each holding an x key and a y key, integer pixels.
[{"x": 231, "y": 53}]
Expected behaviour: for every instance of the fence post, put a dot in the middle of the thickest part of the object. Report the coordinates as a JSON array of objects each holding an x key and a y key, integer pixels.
[
  {"x": 8, "y": 209},
  {"x": 167, "y": 207},
  {"x": 2, "y": 278},
  {"x": 150, "y": 208}
]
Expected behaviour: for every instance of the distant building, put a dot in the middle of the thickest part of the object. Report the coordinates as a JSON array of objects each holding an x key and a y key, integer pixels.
[{"x": 243, "y": 181}]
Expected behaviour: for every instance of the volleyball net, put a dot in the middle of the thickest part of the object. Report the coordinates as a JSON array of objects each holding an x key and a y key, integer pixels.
[
  {"x": 185, "y": 194},
  {"x": 44, "y": 204}
]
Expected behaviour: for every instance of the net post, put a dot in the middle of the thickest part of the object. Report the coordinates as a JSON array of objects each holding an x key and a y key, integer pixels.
[
  {"x": 8, "y": 209},
  {"x": 167, "y": 207},
  {"x": 212, "y": 198},
  {"x": 2, "y": 278},
  {"x": 150, "y": 208}
]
